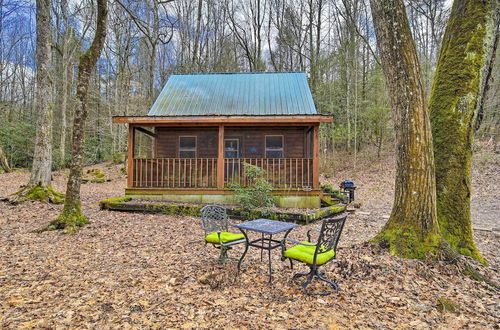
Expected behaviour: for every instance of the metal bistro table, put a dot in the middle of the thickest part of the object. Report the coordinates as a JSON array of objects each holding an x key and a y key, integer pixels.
[{"x": 266, "y": 227}]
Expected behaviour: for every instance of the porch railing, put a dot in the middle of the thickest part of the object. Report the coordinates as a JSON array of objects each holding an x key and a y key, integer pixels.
[
  {"x": 175, "y": 173},
  {"x": 202, "y": 172},
  {"x": 280, "y": 172}
]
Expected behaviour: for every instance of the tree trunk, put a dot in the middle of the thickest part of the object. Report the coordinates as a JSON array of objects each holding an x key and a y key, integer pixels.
[
  {"x": 488, "y": 69},
  {"x": 4, "y": 162},
  {"x": 38, "y": 187},
  {"x": 412, "y": 230},
  {"x": 42, "y": 159},
  {"x": 64, "y": 103},
  {"x": 195, "y": 60},
  {"x": 452, "y": 107},
  {"x": 72, "y": 216},
  {"x": 66, "y": 66}
]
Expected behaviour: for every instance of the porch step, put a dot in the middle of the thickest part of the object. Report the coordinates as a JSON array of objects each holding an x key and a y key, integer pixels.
[{"x": 328, "y": 200}]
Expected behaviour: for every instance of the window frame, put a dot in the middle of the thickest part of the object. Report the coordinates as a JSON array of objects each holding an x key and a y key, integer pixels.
[
  {"x": 195, "y": 149},
  {"x": 282, "y": 149}
]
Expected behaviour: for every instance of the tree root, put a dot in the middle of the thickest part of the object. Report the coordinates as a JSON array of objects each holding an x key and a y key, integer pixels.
[
  {"x": 37, "y": 193},
  {"x": 464, "y": 264},
  {"x": 444, "y": 252},
  {"x": 473, "y": 273},
  {"x": 69, "y": 220}
]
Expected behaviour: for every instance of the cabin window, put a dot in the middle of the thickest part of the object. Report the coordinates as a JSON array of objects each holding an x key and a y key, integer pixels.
[
  {"x": 231, "y": 148},
  {"x": 274, "y": 146},
  {"x": 187, "y": 147}
]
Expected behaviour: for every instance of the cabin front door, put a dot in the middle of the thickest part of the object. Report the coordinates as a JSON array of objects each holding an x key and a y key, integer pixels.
[{"x": 232, "y": 155}]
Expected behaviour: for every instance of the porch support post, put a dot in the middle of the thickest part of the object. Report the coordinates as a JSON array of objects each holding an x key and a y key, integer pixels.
[
  {"x": 315, "y": 152},
  {"x": 220, "y": 158},
  {"x": 130, "y": 155}
]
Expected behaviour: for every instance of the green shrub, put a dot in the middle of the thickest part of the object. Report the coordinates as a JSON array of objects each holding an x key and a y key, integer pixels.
[
  {"x": 17, "y": 139},
  {"x": 258, "y": 193},
  {"x": 118, "y": 157}
]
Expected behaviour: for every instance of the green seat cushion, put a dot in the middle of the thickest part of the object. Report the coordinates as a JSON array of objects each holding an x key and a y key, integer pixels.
[
  {"x": 306, "y": 254},
  {"x": 224, "y": 237}
]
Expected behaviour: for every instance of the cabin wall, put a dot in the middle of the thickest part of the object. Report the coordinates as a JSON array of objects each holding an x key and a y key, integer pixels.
[
  {"x": 167, "y": 143},
  {"x": 252, "y": 141}
]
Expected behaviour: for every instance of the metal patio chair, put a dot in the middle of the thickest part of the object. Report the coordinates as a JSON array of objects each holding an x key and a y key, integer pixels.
[
  {"x": 316, "y": 255},
  {"x": 215, "y": 223}
]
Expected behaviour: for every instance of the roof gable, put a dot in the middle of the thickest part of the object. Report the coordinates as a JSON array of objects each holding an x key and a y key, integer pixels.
[{"x": 277, "y": 93}]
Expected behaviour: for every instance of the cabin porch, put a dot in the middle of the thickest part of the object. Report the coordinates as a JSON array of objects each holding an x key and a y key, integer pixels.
[
  {"x": 201, "y": 161},
  {"x": 204, "y": 163},
  {"x": 214, "y": 157}
]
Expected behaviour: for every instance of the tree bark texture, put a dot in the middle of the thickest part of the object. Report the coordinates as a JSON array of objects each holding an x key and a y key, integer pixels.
[
  {"x": 452, "y": 107},
  {"x": 488, "y": 68},
  {"x": 3, "y": 161},
  {"x": 412, "y": 230},
  {"x": 42, "y": 159},
  {"x": 72, "y": 216}
]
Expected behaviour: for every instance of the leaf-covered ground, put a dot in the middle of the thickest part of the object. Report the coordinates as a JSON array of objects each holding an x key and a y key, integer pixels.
[{"x": 141, "y": 270}]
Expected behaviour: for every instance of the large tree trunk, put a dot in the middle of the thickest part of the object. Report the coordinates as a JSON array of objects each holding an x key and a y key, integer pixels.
[
  {"x": 412, "y": 230},
  {"x": 42, "y": 160},
  {"x": 38, "y": 187},
  {"x": 72, "y": 215},
  {"x": 452, "y": 106},
  {"x": 3, "y": 161}
]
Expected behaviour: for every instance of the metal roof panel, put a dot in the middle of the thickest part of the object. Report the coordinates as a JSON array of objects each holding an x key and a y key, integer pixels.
[{"x": 263, "y": 93}]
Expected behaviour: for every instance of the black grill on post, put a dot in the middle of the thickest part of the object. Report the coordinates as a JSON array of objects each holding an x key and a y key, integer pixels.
[{"x": 348, "y": 188}]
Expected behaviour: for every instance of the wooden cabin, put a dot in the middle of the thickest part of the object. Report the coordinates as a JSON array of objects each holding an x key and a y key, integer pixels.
[{"x": 205, "y": 127}]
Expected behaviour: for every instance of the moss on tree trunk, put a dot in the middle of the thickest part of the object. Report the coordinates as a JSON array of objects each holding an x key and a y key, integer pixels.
[
  {"x": 412, "y": 230},
  {"x": 45, "y": 194},
  {"x": 452, "y": 107},
  {"x": 70, "y": 219}
]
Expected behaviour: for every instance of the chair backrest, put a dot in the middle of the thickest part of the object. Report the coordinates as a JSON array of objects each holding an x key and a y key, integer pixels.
[
  {"x": 214, "y": 218},
  {"x": 329, "y": 235}
]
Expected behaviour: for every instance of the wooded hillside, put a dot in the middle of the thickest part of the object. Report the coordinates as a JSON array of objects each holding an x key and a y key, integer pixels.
[{"x": 332, "y": 41}]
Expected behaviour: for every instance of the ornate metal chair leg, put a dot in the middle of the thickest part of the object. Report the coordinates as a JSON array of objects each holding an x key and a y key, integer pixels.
[
  {"x": 332, "y": 284},
  {"x": 296, "y": 276},
  {"x": 309, "y": 280}
]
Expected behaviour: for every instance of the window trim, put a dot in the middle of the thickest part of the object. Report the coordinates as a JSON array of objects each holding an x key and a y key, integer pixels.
[
  {"x": 282, "y": 149},
  {"x": 195, "y": 149}
]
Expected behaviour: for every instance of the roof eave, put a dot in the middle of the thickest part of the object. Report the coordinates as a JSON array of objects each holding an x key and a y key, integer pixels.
[{"x": 230, "y": 120}]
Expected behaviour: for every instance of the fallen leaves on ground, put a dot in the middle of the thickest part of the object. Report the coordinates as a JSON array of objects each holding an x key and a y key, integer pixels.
[{"x": 129, "y": 270}]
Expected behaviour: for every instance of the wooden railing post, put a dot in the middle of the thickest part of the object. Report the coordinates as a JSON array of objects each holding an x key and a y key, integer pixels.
[
  {"x": 130, "y": 156},
  {"x": 220, "y": 158},
  {"x": 315, "y": 164}
]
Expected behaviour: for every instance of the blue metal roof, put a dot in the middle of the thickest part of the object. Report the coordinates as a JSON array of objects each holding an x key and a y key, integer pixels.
[{"x": 275, "y": 93}]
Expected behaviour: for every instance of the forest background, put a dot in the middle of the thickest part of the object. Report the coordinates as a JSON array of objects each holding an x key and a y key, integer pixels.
[{"x": 333, "y": 41}]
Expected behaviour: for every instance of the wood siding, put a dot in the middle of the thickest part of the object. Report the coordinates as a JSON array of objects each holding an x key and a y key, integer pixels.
[{"x": 167, "y": 143}]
